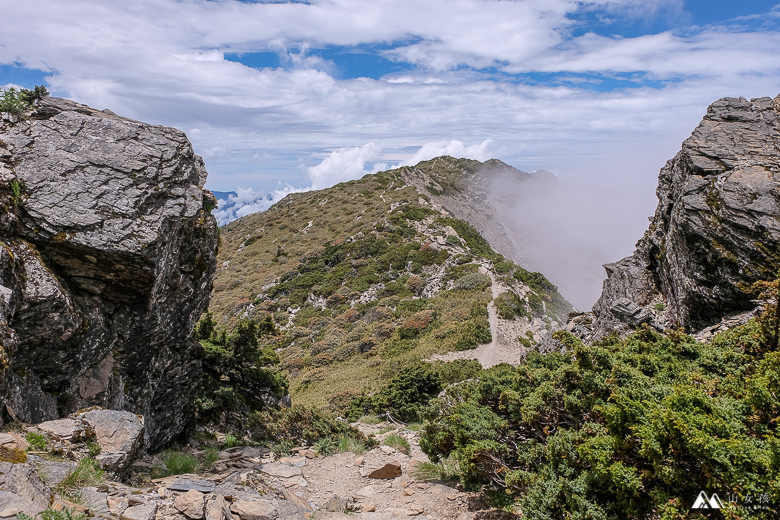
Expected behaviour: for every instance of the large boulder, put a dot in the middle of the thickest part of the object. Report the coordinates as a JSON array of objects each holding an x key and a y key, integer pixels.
[
  {"x": 107, "y": 252},
  {"x": 715, "y": 232}
]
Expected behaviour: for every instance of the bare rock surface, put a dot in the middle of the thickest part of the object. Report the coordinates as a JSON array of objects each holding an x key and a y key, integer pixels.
[
  {"x": 26, "y": 487},
  {"x": 107, "y": 251},
  {"x": 716, "y": 229}
]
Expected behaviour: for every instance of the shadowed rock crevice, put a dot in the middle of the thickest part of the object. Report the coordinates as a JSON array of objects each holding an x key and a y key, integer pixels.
[{"x": 106, "y": 261}]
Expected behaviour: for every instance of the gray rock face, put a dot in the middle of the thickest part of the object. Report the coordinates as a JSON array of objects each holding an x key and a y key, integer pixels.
[
  {"x": 27, "y": 491},
  {"x": 716, "y": 229},
  {"x": 107, "y": 252}
]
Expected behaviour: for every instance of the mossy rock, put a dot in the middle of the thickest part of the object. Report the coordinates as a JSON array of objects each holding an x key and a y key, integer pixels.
[{"x": 12, "y": 455}]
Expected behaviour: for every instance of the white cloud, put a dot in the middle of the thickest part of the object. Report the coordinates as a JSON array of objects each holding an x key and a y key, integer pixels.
[
  {"x": 247, "y": 201},
  {"x": 454, "y": 148},
  {"x": 343, "y": 165},
  {"x": 213, "y": 152}
]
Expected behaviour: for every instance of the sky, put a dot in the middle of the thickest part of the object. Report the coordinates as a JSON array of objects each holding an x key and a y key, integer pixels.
[{"x": 282, "y": 96}]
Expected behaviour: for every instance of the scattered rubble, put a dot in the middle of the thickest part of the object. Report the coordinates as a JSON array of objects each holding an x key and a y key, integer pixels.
[{"x": 244, "y": 483}]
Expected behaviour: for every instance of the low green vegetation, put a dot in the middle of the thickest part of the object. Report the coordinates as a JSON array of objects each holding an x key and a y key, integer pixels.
[
  {"x": 239, "y": 374},
  {"x": 210, "y": 456},
  {"x": 398, "y": 442},
  {"x": 445, "y": 469},
  {"x": 54, "y": 514},
  {"x": 16, "y": 101},
  {"x": 87, "y": 473},
  {"x": 231, "y": 440},
  {"x": 325, "y": 446},
  {"x": 16, "y": 192},
  {"x": 93, "y": 449},
  {"x": 298, "y": 426},
  {"x": 176, "y": 463},
  {"x": 37, "y": 441},
  {"x": 620, "y": 429},
  {"x": 282, "y": 449},
  {"x": 350, "y": 444},
  {"x": 403, "y": 397}
]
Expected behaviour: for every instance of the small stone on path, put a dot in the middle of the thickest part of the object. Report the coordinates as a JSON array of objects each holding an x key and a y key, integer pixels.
[{"x": 388, "y": 471}]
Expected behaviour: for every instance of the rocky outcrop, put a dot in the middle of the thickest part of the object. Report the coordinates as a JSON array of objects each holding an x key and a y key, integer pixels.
[
  {"x": 107, "y": 251},
  {"x": 715, "y": 232}
]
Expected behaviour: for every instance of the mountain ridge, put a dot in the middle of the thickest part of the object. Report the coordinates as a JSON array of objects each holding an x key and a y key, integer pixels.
[{"x": 362, "y": 274}]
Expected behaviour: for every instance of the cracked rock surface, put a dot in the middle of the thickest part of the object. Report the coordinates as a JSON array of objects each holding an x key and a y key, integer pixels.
[
  {"x": 107, "y": 252},
  {"x": 716, "y": 229}
]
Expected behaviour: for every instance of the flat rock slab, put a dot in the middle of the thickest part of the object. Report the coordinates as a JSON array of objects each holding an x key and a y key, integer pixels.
[
  {"x": 115, "y": 430},
  {"x": 254, "y": 509},
  {"x": 293, "y": 461},
  {"x": 23, "y": 480},
  {"x": 442, "y": 489},
  {"x": 365, "y": 492},
  {"x": 335, "y": 504},
  {"x": 187, "y": 484},
  {"x": 96, "y": 501},
  {"x": 280, "y": 470},
  {"x": 61, "y": 428},
  {"x": 54, "y": 472},
  {"x": 117, "y": 505},
  {"x": 216, "y": 508},
  {"x": 7, "y": 439}
]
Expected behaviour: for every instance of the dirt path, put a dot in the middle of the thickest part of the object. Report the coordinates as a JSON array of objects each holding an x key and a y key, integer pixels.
[
  {"x": 342, "y": 482},
  {"x": 488, "y": 352},
  {"x": 495, "y": 352}
]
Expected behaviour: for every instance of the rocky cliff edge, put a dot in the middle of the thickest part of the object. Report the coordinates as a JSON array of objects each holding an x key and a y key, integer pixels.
[
  {"x": 107, "y": 252},
  {"x": 716, "y": 229}
]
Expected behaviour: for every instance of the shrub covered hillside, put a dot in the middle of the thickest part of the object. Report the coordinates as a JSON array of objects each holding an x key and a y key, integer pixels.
[
  {"x": 623, "y": 429},
  {"x": 359, "y": 281}
]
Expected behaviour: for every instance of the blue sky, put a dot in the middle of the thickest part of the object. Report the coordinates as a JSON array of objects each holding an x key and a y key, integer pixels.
[{"x": 280, "y": 96}]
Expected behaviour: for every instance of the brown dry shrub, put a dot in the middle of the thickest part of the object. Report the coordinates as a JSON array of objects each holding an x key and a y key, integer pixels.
[
  {"x": 377, "y": 314},
  {"x": 336, "y": 299},
  {"x": 350, "y": 315},
  {"x": 457, "y": 315},
  {"x": 323, "y": 359},
  {"x": 417, "y": 323},
  {"x": 416, "y": 284},
  {"x": 384, "y": 331}
]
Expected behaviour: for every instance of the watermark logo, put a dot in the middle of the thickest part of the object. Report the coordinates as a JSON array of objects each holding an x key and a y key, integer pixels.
[
  {"x": 732, "y": 500},
  {"x": 705, "y": 502}
]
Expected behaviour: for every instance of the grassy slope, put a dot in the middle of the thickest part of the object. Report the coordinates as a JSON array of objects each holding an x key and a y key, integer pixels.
[{"x": 342, "y": 272}]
